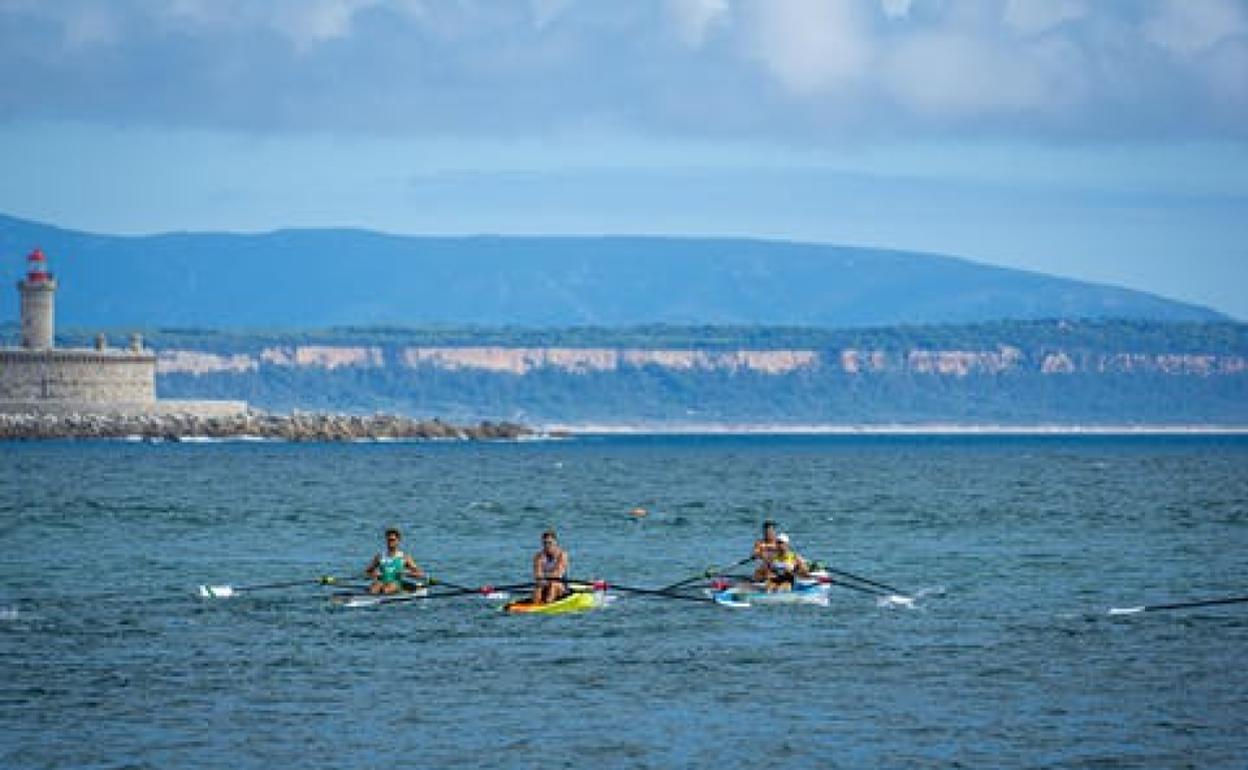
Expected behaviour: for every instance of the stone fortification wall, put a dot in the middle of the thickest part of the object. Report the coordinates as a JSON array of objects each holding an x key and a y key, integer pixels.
[{"x": 77, "y": 376}]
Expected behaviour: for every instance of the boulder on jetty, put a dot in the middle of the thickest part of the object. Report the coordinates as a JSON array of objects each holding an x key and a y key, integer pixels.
[{"x": 297, "y": 426}]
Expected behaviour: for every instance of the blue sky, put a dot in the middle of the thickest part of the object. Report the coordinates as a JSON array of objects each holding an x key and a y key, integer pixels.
[{"x": 1095, "y": 139}]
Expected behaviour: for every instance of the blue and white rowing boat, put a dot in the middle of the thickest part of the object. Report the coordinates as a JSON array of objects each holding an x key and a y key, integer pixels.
[{"x": 812, "y": 590}]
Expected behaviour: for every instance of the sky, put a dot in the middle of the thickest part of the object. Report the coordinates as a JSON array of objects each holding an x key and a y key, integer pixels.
[{"x": 1103, "y": 140}]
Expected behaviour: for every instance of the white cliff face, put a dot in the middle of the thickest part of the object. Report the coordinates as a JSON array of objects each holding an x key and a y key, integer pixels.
[
  {"x": 860, "y": 361},
  {"x": 587, "y": 360},
  {"x": 324, "y": 357},
  {"x": 196, "y": 362},
  {"x": 1057, "y": 363},
  {"x": 1203, "y": 365},
  {"x": 961, "y": 363},
  {"x": 523, "y": 360}
]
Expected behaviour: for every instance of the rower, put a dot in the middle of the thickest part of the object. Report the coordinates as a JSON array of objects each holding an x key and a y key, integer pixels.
[
  {"x": 765, "y": 550},
  {"x": 550, "y": 568},
  {"x": 785, "y": 567},
  {"x": 389, "y": 567}
]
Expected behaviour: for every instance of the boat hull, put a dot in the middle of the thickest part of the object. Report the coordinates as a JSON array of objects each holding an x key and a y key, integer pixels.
[
  {"x": 357, "y": 600},
  {"x": 574, "y": 602},
  {"x": 753, "y": 594}
]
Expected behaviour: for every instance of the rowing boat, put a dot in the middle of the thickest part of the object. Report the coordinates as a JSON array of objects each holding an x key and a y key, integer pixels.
[
  {"x": 579, "y": 601},
  {"x": 354, "y": 600},
  {"x": 750, "y": 594}
]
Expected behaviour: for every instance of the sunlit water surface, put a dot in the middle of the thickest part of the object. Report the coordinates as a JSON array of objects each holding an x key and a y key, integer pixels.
[{"x": 1019, "y": 546}]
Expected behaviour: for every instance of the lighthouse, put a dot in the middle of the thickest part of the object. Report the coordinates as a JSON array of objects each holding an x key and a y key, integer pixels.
[
  {"x": 38, "y": 290},
  {"x": 42, "y": 379}
]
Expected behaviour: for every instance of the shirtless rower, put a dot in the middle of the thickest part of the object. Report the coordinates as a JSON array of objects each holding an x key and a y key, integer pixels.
[{"x": 550, "y": 568}]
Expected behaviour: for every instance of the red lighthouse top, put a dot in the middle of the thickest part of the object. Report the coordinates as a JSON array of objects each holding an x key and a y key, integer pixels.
[{"x": 37, "y": 266}]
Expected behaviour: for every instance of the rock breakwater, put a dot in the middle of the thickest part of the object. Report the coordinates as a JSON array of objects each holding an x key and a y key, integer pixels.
[{"x": 293, "y": 427}]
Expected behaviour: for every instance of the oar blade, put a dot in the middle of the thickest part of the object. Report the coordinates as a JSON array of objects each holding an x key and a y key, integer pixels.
[
  {"x": 1180, "y": 605},
  {"x": 896, "y": 600}
]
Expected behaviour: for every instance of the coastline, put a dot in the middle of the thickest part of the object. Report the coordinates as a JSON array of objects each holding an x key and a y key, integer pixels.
[
  {"x": 250, "y": 426},
  {"x": 310, "y": 427},
  {"x": 923, "y": 429}
]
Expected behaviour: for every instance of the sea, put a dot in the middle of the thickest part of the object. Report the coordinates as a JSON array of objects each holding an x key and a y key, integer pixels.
[{"x": 1014, "y": 548}]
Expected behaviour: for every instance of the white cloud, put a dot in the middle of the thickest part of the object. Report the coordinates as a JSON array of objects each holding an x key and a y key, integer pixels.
[
  {"x": 896, "y": 9},
  {"x": 80, "y": 24},
  {"x": 305, "y": 23},
  {"x": 92, "y": 26},
  {"x": 952, "y": 75},
  {"x": 309, "y": 22},
  {"x": 693, "y": 19},
  {"x": 1226, "y": 71},
  {"x": 810, "y": 46},
  {"x": 787, "y": 69},
  {"x": 1034, "y": 17},
  {"x": 1189, "y": 27}
]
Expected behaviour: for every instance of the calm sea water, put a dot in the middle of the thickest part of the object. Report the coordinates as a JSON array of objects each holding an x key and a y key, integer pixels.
[{"x": 1020, "y": 545}]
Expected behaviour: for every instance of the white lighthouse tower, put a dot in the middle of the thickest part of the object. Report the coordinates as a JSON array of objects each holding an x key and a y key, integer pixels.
[{"x": 38, "y": 291}]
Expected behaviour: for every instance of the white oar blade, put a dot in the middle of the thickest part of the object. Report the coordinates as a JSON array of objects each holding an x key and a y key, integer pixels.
[
  {"x": 1125, "y": 610},
  {"x": 216, "y": 592},
  {"x": 897, "y": 600}
]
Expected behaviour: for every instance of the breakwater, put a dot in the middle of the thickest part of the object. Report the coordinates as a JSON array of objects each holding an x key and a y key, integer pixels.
[{"x": 297, "y": 426}]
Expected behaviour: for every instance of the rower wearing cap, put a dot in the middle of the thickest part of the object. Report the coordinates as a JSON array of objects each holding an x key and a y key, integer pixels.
[
  {"x": 786, "y": 566},
  {"x": 389, "y": 567},
  {"x": 550, "y": 569},
  {"x": 765, "y": 550}
]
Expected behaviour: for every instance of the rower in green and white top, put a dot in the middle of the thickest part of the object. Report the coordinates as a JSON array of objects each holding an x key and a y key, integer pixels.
[{"x": 389, "y": 567}]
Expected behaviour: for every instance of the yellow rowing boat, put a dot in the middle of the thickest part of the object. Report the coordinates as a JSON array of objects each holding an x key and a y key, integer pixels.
[{"x": 580, "y": 601}]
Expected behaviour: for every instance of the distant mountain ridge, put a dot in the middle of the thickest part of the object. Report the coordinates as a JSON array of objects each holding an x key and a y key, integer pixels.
[{"x": 318, "y": 278}]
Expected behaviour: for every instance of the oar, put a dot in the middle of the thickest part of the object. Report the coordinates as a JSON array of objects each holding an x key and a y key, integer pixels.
[
  {"x": 864, "y": 581},
  {"x": 708, "y": 572},
  {"x": 890, "y": 597},
  {"x": 435, "y": 581},
  {"x": 1177, "y": 605},
  {"x": 224, "y": 592},
  {"x": 456, "y": 591},
  {"x": 602, "y": 585},
  {"x": 486, "y": 589}
]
